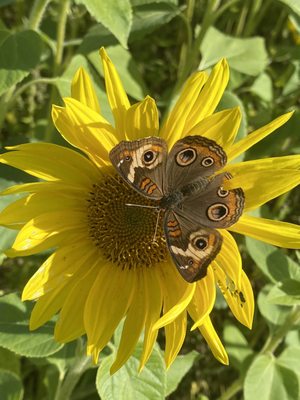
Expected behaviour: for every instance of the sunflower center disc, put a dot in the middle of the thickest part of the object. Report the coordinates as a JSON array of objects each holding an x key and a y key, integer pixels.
[{"x": 124, "y": 233}]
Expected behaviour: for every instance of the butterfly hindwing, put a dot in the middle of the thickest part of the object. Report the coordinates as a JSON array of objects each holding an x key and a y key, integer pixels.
[
  {"x": 142, "y": 164},
  {"x": 191, "y": 158},
  {"x": 191, "y": 246},
  {"x": 214, "y": 207}
]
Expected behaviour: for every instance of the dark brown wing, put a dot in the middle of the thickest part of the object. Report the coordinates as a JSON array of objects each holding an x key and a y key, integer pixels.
[
  {"x": 191, "y": 246},
  {"x": 142, "y": 164},
  {"x": 191, "y": 158}
]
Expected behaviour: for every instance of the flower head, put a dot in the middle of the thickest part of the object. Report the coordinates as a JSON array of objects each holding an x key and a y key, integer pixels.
[{"x": 105, "y": 267}]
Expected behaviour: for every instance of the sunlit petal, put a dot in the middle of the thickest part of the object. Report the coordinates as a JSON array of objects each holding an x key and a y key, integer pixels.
[
  {"x": 82, "y": 89},
  {"x": 278, "y": 233}
]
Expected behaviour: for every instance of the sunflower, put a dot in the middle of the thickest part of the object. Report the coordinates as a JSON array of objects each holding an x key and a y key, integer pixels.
[{"x": 105, "y": 267}]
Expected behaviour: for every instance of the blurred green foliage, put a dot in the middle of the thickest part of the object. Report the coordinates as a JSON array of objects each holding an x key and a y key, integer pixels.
[{"x": 155, "y": 45}]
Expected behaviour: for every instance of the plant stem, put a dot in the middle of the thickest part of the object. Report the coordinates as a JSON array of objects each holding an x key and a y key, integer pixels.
[
  {"x": 37, "y": 13},
  {"x": 72, "y": 377},
  {"x": 270, "y": 346},
  {"x": 276, "y": 338},
  {"x": 234, "y": 388},
  {"x": 60, "y": 33}
]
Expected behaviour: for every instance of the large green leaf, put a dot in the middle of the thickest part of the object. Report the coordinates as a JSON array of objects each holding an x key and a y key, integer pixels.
[
  {"x": 274, "y": 314},
  {"x": 19, "y": 53},
  {"x": 290, "y": 358},
  {"x": 128, "y": 383},
  {"x": 10, "y": 386},
  {"x": 272, "y": 261},
  {"x": 15, "y": 334},
  {"x": 237, "y": 347},
  {"x": 294, "y": 5},
  {"x": 286, "y": 292},
  {"x": 248, "y": 56},
  {"x": 115, "y": 15},
  {"x": 179, "y": 369},
  {"x": 266, "y": 379}
]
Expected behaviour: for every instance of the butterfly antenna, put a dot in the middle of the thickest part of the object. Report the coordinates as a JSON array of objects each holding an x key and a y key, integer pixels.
[
  {"x": 156, "y": 225},
  {"x": 141, "y": 205}
]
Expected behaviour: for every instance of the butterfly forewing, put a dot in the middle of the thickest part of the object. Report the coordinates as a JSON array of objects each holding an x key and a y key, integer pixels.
[
  {"x": 142, "y": 164},
  {"x": 191, "y": 158}
]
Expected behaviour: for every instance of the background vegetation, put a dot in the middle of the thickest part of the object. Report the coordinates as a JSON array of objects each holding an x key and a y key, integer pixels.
[{"x": 155, "y": 44}]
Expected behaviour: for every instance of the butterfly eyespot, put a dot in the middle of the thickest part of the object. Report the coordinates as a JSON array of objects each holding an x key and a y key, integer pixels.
[
  {"x": 201, "y": 243},
  {"x": 217, "y": 212},
  {"x": 222, "y": 192},
  {"x": 190, "y": 262},
  {"x": 186, "y": 157},
  {"x": 127, "y": 158},
  {"x": 207, "y": 161},
  {"x": 149, "y": 156}
]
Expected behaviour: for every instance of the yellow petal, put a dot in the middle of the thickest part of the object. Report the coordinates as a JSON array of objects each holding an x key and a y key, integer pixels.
[
  {"x": 106, "y": 305},
  {"x": 21, "y": 211},
  {"x": 47, "y": 306},
  {"x": 278, "y": 233},
  {"x": 244, "y": 144},
  {"x": 39, "y": 187},
  {"x": 239, "y": 298},
  {"x": 82, "y": 89},
  {"x": 175, "y": 334},
  {"x": 221, "y": 127},
  {"x": 264, "y": 164},
  {"x": 85, "y": 129},
  {"x": 59, "y": 268},
  {"x": 51, "y": 162},
  {"x": 142, "y": 119},
  {"x": 116, "y": 94},
  {"x": 203, "y": 300},
  {"x": 210, "y": 335},
  {"x": 264, "y": 185},
  {"x": 45, "y": 229},
  {"x": 229, "y": 258},
  {"x": 203, "y": 104},
  {"x": 177, "y": 301},
  {"x": 153, "y": 298},
  {"x": 133, "y": 325},
  {"x": 209, "y": 97},
  {"x": 70, "y": 324},
  {"x": 174, "y": 127}
]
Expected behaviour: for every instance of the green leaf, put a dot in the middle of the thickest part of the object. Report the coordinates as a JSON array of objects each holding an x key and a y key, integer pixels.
[
  {"x": 237, "y": 346},
  {"x": 267, "y": 380},
  {"x": 274, "y": 314},
  {"x": 19, "y": 53},
  {"x": 127, "y": 69},
  {"x": 9, "y": 361},
  {"x": 272, "y": 261},
  {"x": 10, "y": 386},
  {"x": 248, "y": 56},
  {"x": 293, "y": 338},
  {"x": 148, "y": 17},
  {"x": 15, "y": 334},
  {"x": 294, "y": 5},
  {"x": 115, "y": 15},
  {"x": 230, "y": 100},
  {"x": 289, "y": 359},
  {"x": 262, "y": 87},
  {"x": 286, "y": 292},
  {"x": 127, "y": 383},
  {"x": 179, "y": 369}
]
